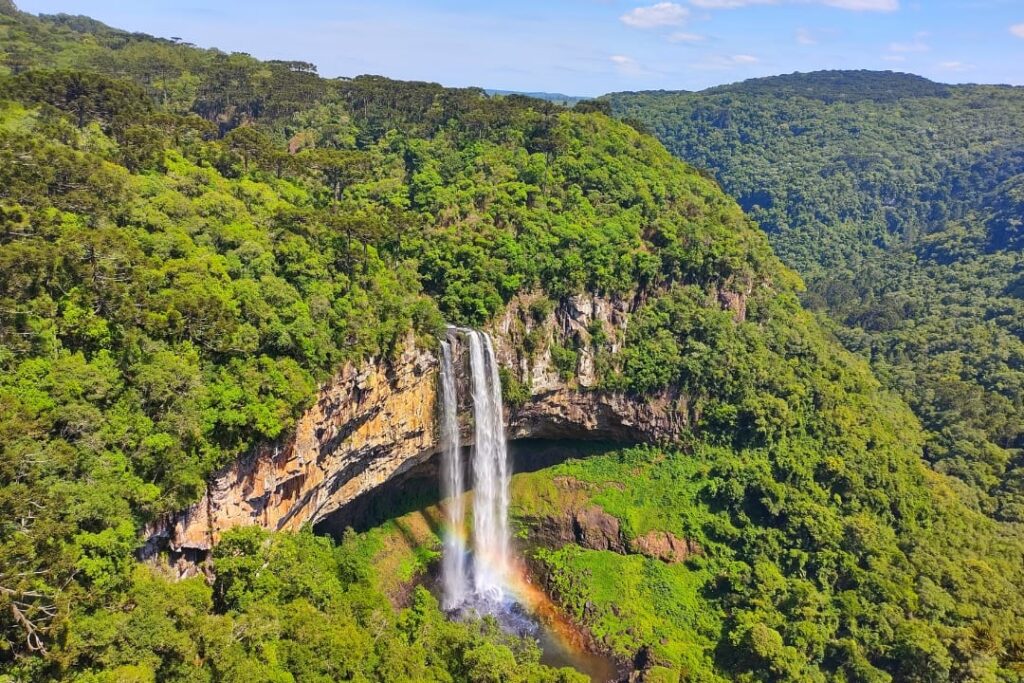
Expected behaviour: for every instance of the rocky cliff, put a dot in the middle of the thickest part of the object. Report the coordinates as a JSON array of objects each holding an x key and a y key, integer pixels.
[{"x": 374, "y": 422}]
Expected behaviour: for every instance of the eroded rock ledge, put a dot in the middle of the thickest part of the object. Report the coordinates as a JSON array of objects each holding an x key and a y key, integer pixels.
[
  {"x": 374, "y": 422},
  {"x": 593, "y": 528},
  {"x": 576, "y": 519}
]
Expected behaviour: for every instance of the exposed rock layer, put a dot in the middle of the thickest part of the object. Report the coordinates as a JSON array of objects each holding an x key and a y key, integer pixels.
[
  {"x": 589, "y": 526},
  {"x": 374, "y": 422}
]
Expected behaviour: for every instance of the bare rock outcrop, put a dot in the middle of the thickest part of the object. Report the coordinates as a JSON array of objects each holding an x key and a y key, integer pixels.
[
  {"x": 589, "y": 526},
  {"x": 664, "y": 546},
  {"x": 368, "y": 424}
]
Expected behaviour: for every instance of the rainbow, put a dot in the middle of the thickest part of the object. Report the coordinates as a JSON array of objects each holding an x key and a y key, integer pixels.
[
  {"x": 544, "y": 609},
  {"x": 514, "y": 576}
]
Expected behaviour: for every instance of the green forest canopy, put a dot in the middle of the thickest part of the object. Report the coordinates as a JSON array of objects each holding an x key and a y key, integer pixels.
[
  {"x": 192, "y": 240},
  {"x": 900, "y": 202}
]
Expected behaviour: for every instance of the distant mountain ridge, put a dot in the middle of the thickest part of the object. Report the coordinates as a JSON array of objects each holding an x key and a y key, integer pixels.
[
  {"x": 833, "y": 86},
  {"x": 556, "y": 97},
  {"x": 898, "y": 199},
  {"x": 826, "y": 86}
]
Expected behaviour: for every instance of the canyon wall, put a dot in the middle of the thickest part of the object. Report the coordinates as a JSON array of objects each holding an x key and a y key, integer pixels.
[{"x": 374, "y": 422}]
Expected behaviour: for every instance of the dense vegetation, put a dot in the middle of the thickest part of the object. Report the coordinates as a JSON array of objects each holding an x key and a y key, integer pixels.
[
  {"x": 190, "y": 241},
  {"x": 288, "y": 607},
  {"x": 899, "y": 201},
  {"x": 790, "y": 584},
  {"x": 829, "y": 553}
]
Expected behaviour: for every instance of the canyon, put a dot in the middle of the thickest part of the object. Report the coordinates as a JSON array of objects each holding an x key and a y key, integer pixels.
[{"x": 376, "y": 422}]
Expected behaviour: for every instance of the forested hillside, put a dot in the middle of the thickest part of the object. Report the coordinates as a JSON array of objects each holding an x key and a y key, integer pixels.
[
  {"x": 190, "y": 241},
  {"x": 899, "y": 201}
]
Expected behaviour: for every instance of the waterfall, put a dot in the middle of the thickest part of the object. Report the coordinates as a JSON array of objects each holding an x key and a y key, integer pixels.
[
  {"x": 478, "y": 575},
  {"x": 490, "y": 472},
  {"x": 453, "y": 560},
  {"x": 490, "y": 540}
]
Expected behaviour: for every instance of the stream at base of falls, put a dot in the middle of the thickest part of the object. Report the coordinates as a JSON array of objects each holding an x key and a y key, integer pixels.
[{"x": 556, "y": 653}]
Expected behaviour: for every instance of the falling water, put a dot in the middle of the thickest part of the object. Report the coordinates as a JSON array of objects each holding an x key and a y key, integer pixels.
[
  {"x": 488, "y": 580},
  {"x": 453, "y": 560},
  {"x": 490, "y": 538},
  {"x": 490, "y": 473}
]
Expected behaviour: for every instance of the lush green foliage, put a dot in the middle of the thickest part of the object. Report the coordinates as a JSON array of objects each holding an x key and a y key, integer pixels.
[
  {"x": 188, "y": 251},
  {"x": 827, "y": 547},
  {"x": 792, "y": 584},
  {"x": 899, "y": 200},
  {"x": 192, "y": 240},
  {"x": 830, "y": 554},
  {"x": 288, "y": 607},
  {"x": 835, "y": 165}
]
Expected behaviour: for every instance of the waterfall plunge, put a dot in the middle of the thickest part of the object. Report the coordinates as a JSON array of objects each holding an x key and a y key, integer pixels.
[
  {"x": 453, "y": 558},
  {"x": 490, "y": 478},
  {"x": 476, "y": 585},
  {"x": 490, "y": 472}
]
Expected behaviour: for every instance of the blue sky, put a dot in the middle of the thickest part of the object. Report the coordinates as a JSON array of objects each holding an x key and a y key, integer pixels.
[{"x": 589, "y": 47}]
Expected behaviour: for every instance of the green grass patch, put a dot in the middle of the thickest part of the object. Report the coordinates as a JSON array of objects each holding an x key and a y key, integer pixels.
[
  {"x": 645, "y": 488},
  {"x": 629, "y": 601}
]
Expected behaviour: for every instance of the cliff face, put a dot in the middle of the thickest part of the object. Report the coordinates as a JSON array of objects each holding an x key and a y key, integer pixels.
[
  {"x": 560, "y": 408},
  {"x": 367, "y": 424},
  {"x": 374, "y": 422}
]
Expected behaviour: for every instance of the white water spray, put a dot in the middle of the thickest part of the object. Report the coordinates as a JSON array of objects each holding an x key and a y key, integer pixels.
[
  {"x": 490, "y": 472},
  {"x": 453, "y": 559},
  {"x": 490, "y": 541},
  {"x": 476, "y": 572}
]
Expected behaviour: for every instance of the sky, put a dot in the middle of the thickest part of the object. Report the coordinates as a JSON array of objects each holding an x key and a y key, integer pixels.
[{"x": 590, "y": 47}]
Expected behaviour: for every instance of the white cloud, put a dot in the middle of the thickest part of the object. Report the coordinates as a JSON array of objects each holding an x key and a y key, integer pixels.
[
  {"x": 654, "y": 16},
  {"x": 727, "y": 62},
  {"x": 894, "y": 58},
  {"x": 852, "y": 5},
  {"x": 627, "y": 66},
  {"x": 682, "y": 37},
  {"x": 805, "y": 37},
  {"x": 955, "y": 66},
  {"x": 1017, "y": 30}
]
